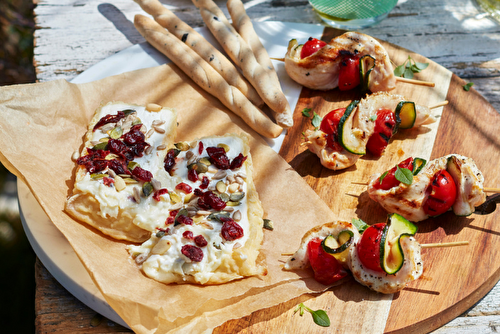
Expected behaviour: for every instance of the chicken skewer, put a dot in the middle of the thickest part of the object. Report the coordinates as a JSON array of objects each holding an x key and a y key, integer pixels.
[
  {"x": 347, "y": 61},
  {"x": 452, "y": 182},
  {"x": 384, "y": 257},
  {"x": 346, "y": 134}
]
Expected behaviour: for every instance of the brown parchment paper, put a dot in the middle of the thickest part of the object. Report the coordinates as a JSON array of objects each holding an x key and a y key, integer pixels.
[{"x": 41, "y": 125}]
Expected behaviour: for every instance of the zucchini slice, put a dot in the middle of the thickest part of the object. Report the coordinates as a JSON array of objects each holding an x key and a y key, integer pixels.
[
  {"x": 347, "y": 138},
  {"x": 338, "y": 246},
  {"x": 461, "y": 207},
  {"x": 391, "y": 254},
  {"x": 418, "y": 164},
  {"x": 407, "y": 113},
  {"x": 366, "y": 65}
]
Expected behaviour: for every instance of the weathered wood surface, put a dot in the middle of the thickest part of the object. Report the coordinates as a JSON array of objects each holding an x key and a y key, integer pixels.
[{"x": 74, "y": 35}]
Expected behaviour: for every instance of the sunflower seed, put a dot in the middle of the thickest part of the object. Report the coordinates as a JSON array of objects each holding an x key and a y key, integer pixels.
[
  {"x": 212, "y": 169},
  {"x": 153, "y": 107},
  {"x": 156, "y": 184},
  {"x": 158, "y": 129},
  {"x": 237, "y": 245},
  {"x": 219, "y": 175},
  {"x": 149, "y": 133},
  {"x": 239, "y": 179},
  {"x": 161, "y": 147},
  {"x": 158, "y": 122},
  {"x": 148, "y": 150},
  {"x": 203, "y": 212},
  {"x": 233, "y": 187},
  {"x": 111, "y": 173},
  {"x": 237, "y": 216},
  {"x": 176, "y": 206},
  {"x": 106, "y": 127},
  {"x": 161, "y": 247},
  {"x": 137, "y": 194},
  {"x": 228, "y": 209},
  {"x": 206, "y": 225},
  {"x": 141, "y": 258},
  {"x": 242, "y": 175}
]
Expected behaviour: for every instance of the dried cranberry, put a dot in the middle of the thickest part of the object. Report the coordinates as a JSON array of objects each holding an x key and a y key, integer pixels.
[
  {"x": 218, "y": 157},
  {"x": 173, "y": 213},
  {"x": 169, "y": 161},
  {"x": 200, "y": 241},
  {"x": 158, "y": 193},
  {"x": 231, "y": 230},
  {"x": 214, "y": 201},
  {"x": 109, "y": 119},
  {"x": 237, "y": 162},
  {"x": 119, "y": 148},
  {"x": 184, "y": 220},
  {"x": 118, "y": 167},
  {"x": 184, "y": 187},
  {"x": 198, "y": 192},
  {"x": 188, "y": 235},
  {"x": 192, "y": 175},
  {"x": 200, "y": 147},
  {"x": 134, "y": 135},
  {"x": 96, "y": 166},
  {"x": 142, "y": 174},
  {"x": 138, "y": 149},
  {"x": 108, "y": 181},
  {"x": 192, "y": 252},
  {"x": 202, "y": 205},
  {"x": 170, "y": 220},
  {"x": 204, "y": 182}
]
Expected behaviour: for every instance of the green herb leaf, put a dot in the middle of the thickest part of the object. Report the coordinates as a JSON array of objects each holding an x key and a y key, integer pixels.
[
  {"x": 319, "y": 317},
  {"x": 398, "y": 71},
  {"x": 306, "y": 112},
  {"x": 404, "y": 175},
  {"x": 468, "y": 86},
  {"x": 382, "y": 177},
  {"x": 409, "y": 67},
  {"x": 373, "y": 118},
  {"x": 316, "y": 120},
  {"x": 359, "y": 224}
]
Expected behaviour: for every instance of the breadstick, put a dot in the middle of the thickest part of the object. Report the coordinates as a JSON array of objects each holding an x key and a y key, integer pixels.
[
  {"x": 205, "y": 76},
  {"x": 238, "y": 50},
  {"x": 244, "y": 26},
  {"x": 201, "y": 46}
]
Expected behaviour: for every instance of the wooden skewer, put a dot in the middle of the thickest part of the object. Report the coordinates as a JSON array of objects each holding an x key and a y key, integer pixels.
[
  {"x": 491, "y": 190},
  {"x": 416, "y": 82},
  {"x": 279, "y": 59},
  {"x": 445, "y": 244},
  {"x": 434, "y": 245},
  {"x": 361, "y": 183},
  {"x": 441, "y": 104}
]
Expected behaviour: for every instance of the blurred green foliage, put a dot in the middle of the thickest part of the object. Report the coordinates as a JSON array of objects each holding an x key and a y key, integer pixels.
[
  {"x": 16, "y": 42},
  {"x": 17, "y": 276}
]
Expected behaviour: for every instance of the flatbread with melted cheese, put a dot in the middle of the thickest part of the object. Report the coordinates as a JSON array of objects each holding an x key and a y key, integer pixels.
[
  {"x": 205, "y": 242},
  {"x": 115, "y": 202}
]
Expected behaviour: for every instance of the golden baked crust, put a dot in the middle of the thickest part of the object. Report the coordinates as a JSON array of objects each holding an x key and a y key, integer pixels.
[{"x": 106, "y": 208}]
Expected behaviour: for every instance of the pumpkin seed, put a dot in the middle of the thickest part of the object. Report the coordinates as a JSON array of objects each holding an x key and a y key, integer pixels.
[
  {"x": 201, "y": 168},
  {"x": 175, "y": 198},
  {"x": 217, "y": 215},
  {"x": 183, "y": 146},
  {"x": 147, "y": 189},
  {"x": 231, "y": 203},
  {"x": 100, "y": 146},
  {"x": 268, "y": 224},
  {"x": 104, "y": 140},
  {"x": 182, "y": 212},
  {"x": 128, "y": 111},
  {"x": 205, "y": 161},
  {"x": 235, "y": 197},
  {"x": 221, "y": 187},
  {"x": 116, "y": 132},
  {"x": 224, "y": 197},
  {"x": 97, "y": 176},
  {"x": 132, "y": 164},
  {"x": 224, "y": 146},
  {"x": 138, "y": 121},
  {"x": 188, "y": 197},
  {"x": 129, "y": 180},
  {"x": 237, "y": 216}
]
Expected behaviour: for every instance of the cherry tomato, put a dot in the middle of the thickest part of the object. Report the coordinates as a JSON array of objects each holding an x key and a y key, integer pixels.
[
  {"x": 368, "y": 247},
  {"x": 330, "y": 125},
  {"x": 327, "y": 270},
  {"x": 384, "y": 127},
  {"x": 442, "y": 194},
  {"x": 349, "y": 73},
  {"x": 311, "y": 46},
  {"x": 389, "y": 179}
]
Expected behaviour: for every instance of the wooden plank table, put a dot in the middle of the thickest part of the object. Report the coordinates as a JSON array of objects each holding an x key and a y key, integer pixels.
[{"x": 72, "y": 36}]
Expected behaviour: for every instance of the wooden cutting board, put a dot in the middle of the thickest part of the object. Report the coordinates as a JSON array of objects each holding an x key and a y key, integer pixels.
[{"x": 454, "y": 278}]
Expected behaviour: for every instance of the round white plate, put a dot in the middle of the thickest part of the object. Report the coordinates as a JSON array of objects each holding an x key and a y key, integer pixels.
[{"x": 51, "y": 247}]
